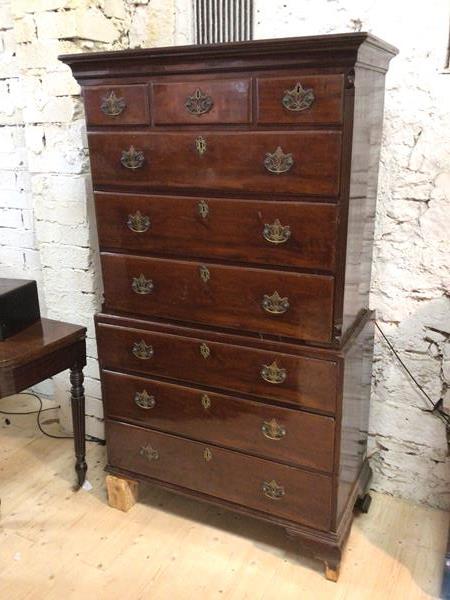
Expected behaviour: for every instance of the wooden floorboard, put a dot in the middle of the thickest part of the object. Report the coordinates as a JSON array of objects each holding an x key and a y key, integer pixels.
[{"x": 59, "y": 544}]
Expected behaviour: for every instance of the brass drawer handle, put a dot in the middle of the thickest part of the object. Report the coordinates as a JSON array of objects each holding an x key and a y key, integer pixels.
[
  {"x": 203, "y": 209},
  {"x": 275, "y": 304},
  {"x": 207, "y": 454},
  {"x": 138, "y": 222},
  {"x": 144, "y": 400},
  {"x": 272, "y": 430},
  {"x": 141, "y": 285},
  {"x": 132, "y": 159},
  {"x": 199, "y": 103},
  {"x": 206, "y": 401},
  {"x": 149, "y": 453},
  {"x": 204, "y": 350},
  {"x": 276, "y": 233},
  {"x": 273, "y": 373},
  {"x": 278, "y": 162},
  {"x": 111, "y": 105},
  {"x": 142, "y": 350},
  {"x": 298, "y": 99},
  {"x": 272, "y": 490}
]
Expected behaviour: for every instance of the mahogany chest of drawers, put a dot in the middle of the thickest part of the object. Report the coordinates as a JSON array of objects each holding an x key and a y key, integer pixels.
[{"x": 235, "y": 189}]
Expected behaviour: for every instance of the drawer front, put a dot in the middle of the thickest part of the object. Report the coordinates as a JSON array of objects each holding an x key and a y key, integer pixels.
[
  {"x": 278, "y": 163},
  {"x": 117, "y": 105},
  {"x": 198, "y": 102},
  {"x": 301, "y": 99},
  {"x": 273, "y": 488},
  {"x": 307, "y": 382},
  {"x": 291, "y": 436},
  {"x": 275, "y": 233},
  {"x": 277, "y": 302}
]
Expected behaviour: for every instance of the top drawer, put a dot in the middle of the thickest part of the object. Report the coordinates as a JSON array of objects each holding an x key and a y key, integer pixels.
[
  {"x": 200, "y": 102},
  {"x": 300, "y": 99},
  {"x": 117, "y": 105}
]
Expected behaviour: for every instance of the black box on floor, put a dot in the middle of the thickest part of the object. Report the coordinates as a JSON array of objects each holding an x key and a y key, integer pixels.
[{"x": 19, "y": 306}]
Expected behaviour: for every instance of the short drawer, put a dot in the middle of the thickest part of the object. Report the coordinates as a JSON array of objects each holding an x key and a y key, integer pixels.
[
  {"x": 205, "y": 101},
  {"x": 283, "y": 303},
  {"x": 269, "y": 487},
  {"x": 273, "y": 432},
  {"x": 302, "y": 162},
  {"x": 116, "y": 105},
  {"x": 298, "y": 380},
  {"x": 300, "y": 99},
  {"x": 266, "y": 232}
]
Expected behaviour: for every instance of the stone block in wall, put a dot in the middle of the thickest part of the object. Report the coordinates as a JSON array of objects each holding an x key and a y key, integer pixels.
[
  {"x": 59, "y": 256},
  {"x": 21, "y": 7},
  {"x": 60, "y": 213},
  {"x": 51, "y": 110},
  {"x": 6, "y": 17},
  {"x": 11, "y": 218},
  {"x": 15, "y": 238},
  {"x": 24, "y": 29},
  {"x": 89, "y": 24},
  {"x": 115, "y": 8},
  {"x": 60, "y": 84},
  {"x": 57, "y": 188}
]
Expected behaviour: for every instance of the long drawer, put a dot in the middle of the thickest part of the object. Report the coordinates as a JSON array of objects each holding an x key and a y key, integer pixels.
[
  {"x": 278, "y": 302},
  {"x": 273, "y": 432},
  {"x": 298, "y": 380},
  {"x": 300, "y": 162},
  {"x": 269, "y": 487},
  {"x": 298, "y": 234}
]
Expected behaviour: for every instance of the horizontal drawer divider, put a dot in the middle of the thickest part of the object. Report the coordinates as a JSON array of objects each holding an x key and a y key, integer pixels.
[
  {"x": 215, "y": 445},
  {"x": 214, "y": 193},
  {"x": 222, "y": 261},
  {"x": 232, "y": 393},
  {"x": 227, "y": 330},
  {"x": 217, "y": 127}
]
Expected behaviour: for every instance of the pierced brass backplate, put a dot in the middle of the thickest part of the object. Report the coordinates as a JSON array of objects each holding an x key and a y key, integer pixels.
[
  {"x": 204, "y": 350},
  {"x": 200, "y": 145},
  {"x": 207, "y": 454},
  {"x": 112, "y": 105},
  {"x": 205, "y": 275},
  {"x": 203, "y": 209},
  {"x": 199, "y": 103},
  {"x": 273, "y": 373},
  {"x": 141, "y": 285},
  {"x": 144, "y": 400},
  {"x": 275, "y": 304},
  {"x": 298, "y": 99},
  {"x": 142, "y": 350},
  {"x": 149, "y": 453},
  {"x": 206, "y": 401},
  {"x": 276, "y": 233},
  {"x": 138, "y": 222},
  {"x": 278, "y": 162},
  {"x": 272, "y": 430},
  {"x": 132, "y": 159},
  {"x": 272, "y": 490}
]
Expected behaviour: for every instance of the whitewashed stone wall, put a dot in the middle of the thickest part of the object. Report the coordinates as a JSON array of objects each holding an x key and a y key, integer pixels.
[
  {"x": 47, "y": 229},
  {"x": 47, "y": 225}
]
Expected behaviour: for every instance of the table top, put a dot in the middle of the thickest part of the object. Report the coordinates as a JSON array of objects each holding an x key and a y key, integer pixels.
[{"x": 41, "y": 338}]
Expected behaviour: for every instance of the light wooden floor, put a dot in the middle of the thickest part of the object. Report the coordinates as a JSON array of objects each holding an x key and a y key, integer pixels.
[{"x": 57, "y": 544}]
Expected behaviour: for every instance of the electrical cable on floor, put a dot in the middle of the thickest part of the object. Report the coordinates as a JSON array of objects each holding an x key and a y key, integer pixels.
[
  {"x": 436, "y": 406},
  {"x": 38, "y": 419}
]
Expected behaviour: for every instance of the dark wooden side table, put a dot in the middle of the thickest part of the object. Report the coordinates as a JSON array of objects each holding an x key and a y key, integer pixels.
[{"x": 42, "y": 350}]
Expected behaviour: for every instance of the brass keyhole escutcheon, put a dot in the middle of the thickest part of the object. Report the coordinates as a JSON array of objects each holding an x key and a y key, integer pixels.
[
  {"x": 112, "y": 105},
  {"x": 272, "y": 490},
  {"x": 149, "y": 453},
  {"x": 204, "y": 350},
  {"x": 207, "y": 454},
  {"x": 276, "y": 233},
  {"x": 203, "y": 209},
  {"x": 272, "y": 430},
  {"x": 298, "y": 99},
  {"x": 200, "y": 145},
  {"x": 273, "y": 373},
  {"x": 206, "y": 401},
  {"x": 205, "y": 275},
  {"x": 142, "y": 350}
]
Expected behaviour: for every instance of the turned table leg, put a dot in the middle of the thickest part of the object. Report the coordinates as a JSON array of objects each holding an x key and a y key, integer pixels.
[{"x": 78, "y": 416}]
